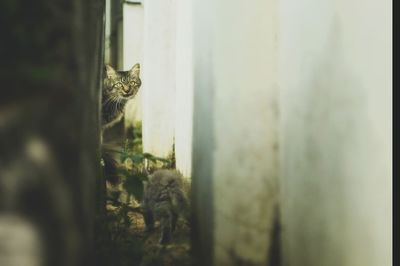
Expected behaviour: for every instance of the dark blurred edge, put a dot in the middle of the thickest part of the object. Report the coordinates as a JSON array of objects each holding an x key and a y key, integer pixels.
[
  {"x": 202, "y": 195},
  {"x": 51, "y": 56}
]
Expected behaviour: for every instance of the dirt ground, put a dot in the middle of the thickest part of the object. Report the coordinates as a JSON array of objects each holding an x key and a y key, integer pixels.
[
  {"x": 141, "y": 248},
  {"x": 175, "y": 254}
]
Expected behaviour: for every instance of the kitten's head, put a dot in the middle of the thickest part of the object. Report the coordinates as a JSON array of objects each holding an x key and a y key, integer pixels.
[{"x": 122, "y": 84}]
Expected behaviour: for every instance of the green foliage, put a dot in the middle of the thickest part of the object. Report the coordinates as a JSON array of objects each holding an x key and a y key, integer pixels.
[
  {"x": 135, "y": 164},
  {"x": 120, "y": 246},
  {"x": 133, "y": 184},
  {"x": 129, "y": 151}
]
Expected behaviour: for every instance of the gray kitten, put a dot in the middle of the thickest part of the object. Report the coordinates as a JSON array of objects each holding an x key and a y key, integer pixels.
[
  {"x": 118, "y": 88},
  {"x": 164, "y": 200}
]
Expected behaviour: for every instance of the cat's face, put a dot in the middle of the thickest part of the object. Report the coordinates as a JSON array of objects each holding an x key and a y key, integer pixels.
[{"x": 121, "y": 84}]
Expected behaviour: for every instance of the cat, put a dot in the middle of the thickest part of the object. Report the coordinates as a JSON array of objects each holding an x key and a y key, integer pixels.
[
  {"x": 165, "y": 199},
  {"x": 118, "y": 88}
]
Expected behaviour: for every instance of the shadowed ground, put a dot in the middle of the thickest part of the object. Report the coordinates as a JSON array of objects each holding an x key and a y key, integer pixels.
[{"x": 149, "y": 252}]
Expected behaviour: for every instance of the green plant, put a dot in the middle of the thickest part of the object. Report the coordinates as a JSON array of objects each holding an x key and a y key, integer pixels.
[
  {"x": 135, "y": 165},
  {"x": 119, "y": 246}
]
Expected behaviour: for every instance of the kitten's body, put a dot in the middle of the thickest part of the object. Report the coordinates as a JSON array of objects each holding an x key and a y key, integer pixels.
[
  {"x": 165, "y": 200},
  {"x": 118, "y": 88}
]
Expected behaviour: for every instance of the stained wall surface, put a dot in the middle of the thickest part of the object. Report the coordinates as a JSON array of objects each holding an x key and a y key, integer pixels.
[
  {"x": 237, "y": 52},
  {"x": 336, "y": 113},
  {"x": 292, "y": 108}
]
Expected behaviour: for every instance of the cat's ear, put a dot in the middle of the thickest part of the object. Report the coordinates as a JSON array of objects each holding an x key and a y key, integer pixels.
[
  {"x": 110, "y": 72},
  {"x": 135, "y": 70}
]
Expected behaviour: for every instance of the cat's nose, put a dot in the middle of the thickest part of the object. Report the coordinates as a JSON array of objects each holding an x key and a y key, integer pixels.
[{"x": 125, "y": 89}]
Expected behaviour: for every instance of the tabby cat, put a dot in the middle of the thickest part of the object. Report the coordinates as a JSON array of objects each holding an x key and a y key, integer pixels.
[
  {"x": 118, "y": 88},
  {"x": 165, "y": 199}
]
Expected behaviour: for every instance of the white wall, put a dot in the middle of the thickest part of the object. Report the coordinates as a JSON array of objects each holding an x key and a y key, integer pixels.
[
  {"x": 336, "y": 132},
  {"x": 158, "y": 72},
  {"x": 331, "y": 129},
  {"x": 236, "y": 54},
  {"x": 184, "y": 87},
  {"x": 277, "y": 80},
  {"x": 133, "y": 26},
  {"x": 165, "y": 101}
]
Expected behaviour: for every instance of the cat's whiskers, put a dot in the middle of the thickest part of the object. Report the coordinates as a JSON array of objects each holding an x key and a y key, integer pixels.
[
  {"x": 114, "y": 102},
  {"x": 116, "y": 105},
  {"x": 110, "y": 99}
]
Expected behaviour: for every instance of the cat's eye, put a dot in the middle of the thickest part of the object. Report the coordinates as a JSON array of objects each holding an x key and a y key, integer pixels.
[
  {"x": 135, "y": 83},
  {"x": 118, "y": 86}
]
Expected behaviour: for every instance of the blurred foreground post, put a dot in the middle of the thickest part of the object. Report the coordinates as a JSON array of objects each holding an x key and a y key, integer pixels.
[{"x": 49, "y": 162}]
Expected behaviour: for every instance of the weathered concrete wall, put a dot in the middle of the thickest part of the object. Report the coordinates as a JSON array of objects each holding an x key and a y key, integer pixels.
[
  {"x": 133, "y": 53},
  {"x": 329, "y": 124},
  {"x": 336, "y": 132},
  {"x": 332, "y": 64},
  {"x": 237, "y": 56},
  {"x": 158, "y": 72}
]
